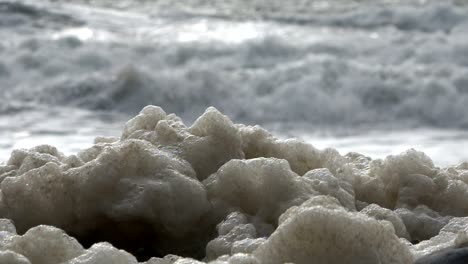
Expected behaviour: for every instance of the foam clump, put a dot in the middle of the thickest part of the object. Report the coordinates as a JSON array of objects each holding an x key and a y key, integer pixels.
[
  {"x": 380, "y": 213},
  {"x": 198, "y": 144},
  {"x": 265, "y": 187},
  {"x": 222, "y": 193},
  {"x": 451, "y": 236},
  {"x": 103, "y": 253},
  {"x": 41, "y": 245},
  {"x": 10, "y": 257},
  {"x": 235, "y": 235},
  {"x": 322, "y": 231},
  {"x": 422, "y": 223}
]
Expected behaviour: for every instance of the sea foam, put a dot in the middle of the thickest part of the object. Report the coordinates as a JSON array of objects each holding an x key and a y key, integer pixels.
[{"x": 221, "y": 192}]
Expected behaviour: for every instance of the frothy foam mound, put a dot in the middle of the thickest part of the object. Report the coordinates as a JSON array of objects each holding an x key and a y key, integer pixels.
[{"x": 225, "y": 193}]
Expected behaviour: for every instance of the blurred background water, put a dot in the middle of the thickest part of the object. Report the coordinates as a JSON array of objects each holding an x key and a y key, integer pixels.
[{"x": 376, "y": 77}]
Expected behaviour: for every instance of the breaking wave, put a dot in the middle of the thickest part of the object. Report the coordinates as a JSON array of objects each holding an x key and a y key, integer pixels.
[
  {"x": 406, "y": 64},
  {"x": 15, "y": 14}
]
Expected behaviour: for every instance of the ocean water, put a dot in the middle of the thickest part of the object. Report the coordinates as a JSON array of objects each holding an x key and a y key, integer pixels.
[
  {"x": 233, "y": 131},
  {"x": 372, "y": 76}
]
